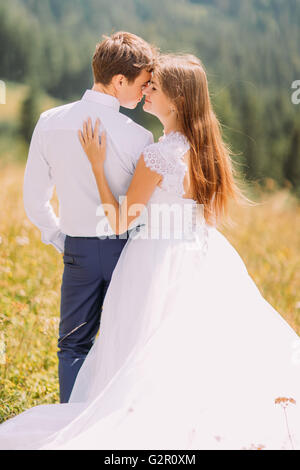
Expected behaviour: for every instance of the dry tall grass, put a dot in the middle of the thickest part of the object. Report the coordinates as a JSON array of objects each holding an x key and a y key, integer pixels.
[{"x": 266, "y": 236}]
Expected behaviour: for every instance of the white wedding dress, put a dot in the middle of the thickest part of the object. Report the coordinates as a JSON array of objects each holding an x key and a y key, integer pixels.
[{"x": 189, "y": 354}]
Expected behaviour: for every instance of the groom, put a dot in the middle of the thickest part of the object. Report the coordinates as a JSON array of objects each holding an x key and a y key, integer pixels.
[{"x": 122, "y": 65}]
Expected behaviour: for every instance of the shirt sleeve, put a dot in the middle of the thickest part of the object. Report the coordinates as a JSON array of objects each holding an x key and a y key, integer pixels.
[
  {"x": 148, "y": 140},
  {"x": 37, "y": 192}
]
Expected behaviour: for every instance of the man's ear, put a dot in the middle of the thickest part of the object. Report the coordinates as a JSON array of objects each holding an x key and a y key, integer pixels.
[{"x": 118, "y": 81}]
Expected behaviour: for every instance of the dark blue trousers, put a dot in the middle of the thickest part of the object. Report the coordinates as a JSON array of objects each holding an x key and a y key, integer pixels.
[{"x": 88, "y": 266}]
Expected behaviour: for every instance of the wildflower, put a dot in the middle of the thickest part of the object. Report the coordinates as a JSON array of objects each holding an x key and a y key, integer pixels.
[{"x": 284, "y": 402}]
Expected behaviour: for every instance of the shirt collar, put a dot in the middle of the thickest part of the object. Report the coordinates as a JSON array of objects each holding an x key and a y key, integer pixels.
[{"x": 101, "y": 98}]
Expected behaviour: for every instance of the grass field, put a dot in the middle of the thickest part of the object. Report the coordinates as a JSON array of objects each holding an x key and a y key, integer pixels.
[
  {"x": 266, "y": 236},
  {"x": 29, "y": 304}
]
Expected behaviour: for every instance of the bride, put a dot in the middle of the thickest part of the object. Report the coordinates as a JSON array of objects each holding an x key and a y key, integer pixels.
[{"x": 189, "y": 355}]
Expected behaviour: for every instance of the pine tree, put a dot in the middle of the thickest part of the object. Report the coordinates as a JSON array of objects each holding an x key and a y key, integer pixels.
[{"x": 29, "y": 113}]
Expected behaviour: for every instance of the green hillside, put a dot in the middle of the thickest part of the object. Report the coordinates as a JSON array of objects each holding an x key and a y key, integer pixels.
[{"x": 249, "y": 48}]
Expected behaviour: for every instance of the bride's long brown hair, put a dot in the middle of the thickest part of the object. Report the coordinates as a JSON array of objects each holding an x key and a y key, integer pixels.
[{"x": 214, "y": 179}]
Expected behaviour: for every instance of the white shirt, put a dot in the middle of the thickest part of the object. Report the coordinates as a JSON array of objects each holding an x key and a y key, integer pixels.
[{"x": 56, "y": 158}]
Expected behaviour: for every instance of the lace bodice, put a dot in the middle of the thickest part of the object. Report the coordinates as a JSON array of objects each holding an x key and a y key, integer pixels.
[
  {"x": 166, "y": 158},
  {"x": 168, "y": 214}
]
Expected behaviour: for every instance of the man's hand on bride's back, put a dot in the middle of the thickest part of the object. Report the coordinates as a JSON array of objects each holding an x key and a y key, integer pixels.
[{"x": 89, "y": 139}]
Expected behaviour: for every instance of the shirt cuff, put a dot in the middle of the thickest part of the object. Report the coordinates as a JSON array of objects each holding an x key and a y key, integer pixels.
[{"x": 59, "y": 242}]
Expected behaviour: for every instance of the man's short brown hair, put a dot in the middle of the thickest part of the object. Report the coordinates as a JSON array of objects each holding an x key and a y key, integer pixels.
[{"x": 122, "y": 53}]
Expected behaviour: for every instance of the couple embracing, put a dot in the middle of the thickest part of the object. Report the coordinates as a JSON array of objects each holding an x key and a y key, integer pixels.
[{"x": 189, "y": 354}]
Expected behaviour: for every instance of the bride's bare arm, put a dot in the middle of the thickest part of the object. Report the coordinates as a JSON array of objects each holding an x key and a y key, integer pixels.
[{"x": 139, "y": 192}]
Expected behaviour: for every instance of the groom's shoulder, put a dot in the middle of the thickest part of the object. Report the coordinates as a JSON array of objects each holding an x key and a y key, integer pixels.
[
  {"x": 133, "y": 130},
  {"x": 121, "y": 127},
  {"x": 57, "y": 113}
]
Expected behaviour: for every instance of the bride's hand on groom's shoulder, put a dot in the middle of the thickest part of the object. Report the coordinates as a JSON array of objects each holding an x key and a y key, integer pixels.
[{"x": 93, "y": 147}]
